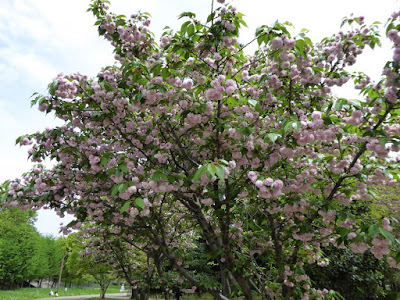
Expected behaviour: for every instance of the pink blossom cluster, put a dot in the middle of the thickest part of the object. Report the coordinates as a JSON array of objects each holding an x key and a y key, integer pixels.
[
  {"x": 267, "y": 188},
  {"x": 328, "y": 217},
  {"x": 67, "y": 86},
  {"x": 380, "y": 247},
  {"x": 392, "y": 262}
]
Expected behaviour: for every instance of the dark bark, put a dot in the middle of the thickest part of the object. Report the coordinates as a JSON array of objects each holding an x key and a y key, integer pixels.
[
  {"x": 134, "y": 294},
  {"x": 143, "y": 295},
  {"x": 166, "y": 295},
  {"x": 102, "y": 291},
  {"x": 225, "y": 283}
]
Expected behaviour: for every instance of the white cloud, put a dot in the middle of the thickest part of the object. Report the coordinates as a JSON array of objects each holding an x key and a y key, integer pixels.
[{"x": 35, "y": 69}]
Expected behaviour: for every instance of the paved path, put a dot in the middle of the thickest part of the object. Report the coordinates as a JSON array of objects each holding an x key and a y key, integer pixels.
[{"x": 119, "y": 296}]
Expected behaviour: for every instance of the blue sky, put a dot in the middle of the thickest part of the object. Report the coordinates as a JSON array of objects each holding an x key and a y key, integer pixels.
[{"x": 41, "y": 38}]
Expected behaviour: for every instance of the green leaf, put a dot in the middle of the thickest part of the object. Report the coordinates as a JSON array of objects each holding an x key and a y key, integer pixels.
[
  {"x": 273, "y": 137},
  {"x": 104, "y": 161},
  {"x": 156, "y": 69},
  {"x": 187, "y": 14},
  {"x": 211, "y": 169},
  {"x": 243, "y": 23},
  {"x": 220, "y": 172},
  {"x": 184, "y": 26},
  {"x": 373, "y": 230},
  {"x": 288, "y": 126},
  {"x": 195, "y": 38},
  {"x": 210, "y": 17},
  {"x": 355, "y": 102},
  {"x": 159, "y": 175},
  {"x": 343, "y": 232},
  {"x": 327, "y": 120},
  {"x": 123, "y": 168},
  {"x": 190, "y": 29},
  {"x": 139, "y": 202},
  {"x": 165, "y": 73},
  {"x": 72, "y": 223},
  {"x": 125, "y": 207},
  {"x": 224, "y": 162},
  {"x": 339, "y": 103},
  {"x": 308, "y": 41},
  {"x": 198, "y": 173},
  {"x": 114, "y": 190},
  {"x": 386, "y": 234},
  {"x": 252, "y": 102},
  {"x": 106, "y": 85},
  {"x": 122, "y": 187},
  {"x": 301, "y": 45},
  {"x": 53, "y": 87}
]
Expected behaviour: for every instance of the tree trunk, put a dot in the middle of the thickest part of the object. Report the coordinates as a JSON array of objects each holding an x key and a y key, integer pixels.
[
  {"x": 103, "y": 292},
  {"x": 134, "y": 294},
  {"x": 287, "y": 292},
  {"x": 143, "y": 295},
  {"x": 166, "y": 295},
  {"x": 248, "y": 294},
  {"x": 226, "y": 289}
]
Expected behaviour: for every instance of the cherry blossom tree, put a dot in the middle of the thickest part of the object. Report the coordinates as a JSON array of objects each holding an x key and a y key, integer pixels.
[
  {"x": 251, "y": 153},
  {"x": 132, "y": 260}
]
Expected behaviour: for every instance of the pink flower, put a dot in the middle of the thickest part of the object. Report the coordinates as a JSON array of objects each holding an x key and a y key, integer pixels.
[
  {"x": 259, "y": 184},
  {"x": 252, "y": 176},
  {"x": 393, "y": 34},
  {"x": 316, "y": 115},
  {"x": 276, "y": 43},
  {"x": 269, "y": 181},
  {"x": 214, "y": 94},
  {"x": 351, "y": 235},
  {"x": 207, "y": 202},
  {"x": 278, "y": 184},
  {"x": 43, "y": 107},
  {"x": 230, "y": 89}
]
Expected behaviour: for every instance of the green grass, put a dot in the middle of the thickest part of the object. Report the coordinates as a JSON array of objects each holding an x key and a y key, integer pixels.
[
  {"x": 97, "y": 298},
  {"x": 32, "y": 293}
]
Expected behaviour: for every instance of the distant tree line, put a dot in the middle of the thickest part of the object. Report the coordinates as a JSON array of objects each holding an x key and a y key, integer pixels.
[{"x": 27, "y": 256}]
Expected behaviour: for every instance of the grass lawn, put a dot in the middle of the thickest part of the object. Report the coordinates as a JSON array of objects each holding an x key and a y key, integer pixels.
[
  {"x": 32, "y": 293},
  {"x": 103, "y": 298}
]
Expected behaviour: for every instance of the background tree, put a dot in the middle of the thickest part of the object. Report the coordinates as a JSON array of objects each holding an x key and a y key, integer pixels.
[
  {"x": 89, "y": 265},
  {"x": 353, "y": 275},
  {"x": 361, "y": 275},
  {"x": 18, "y": 237},
  {"x": 47, "y": 257},
  {"x": 386, "y": 204}
]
